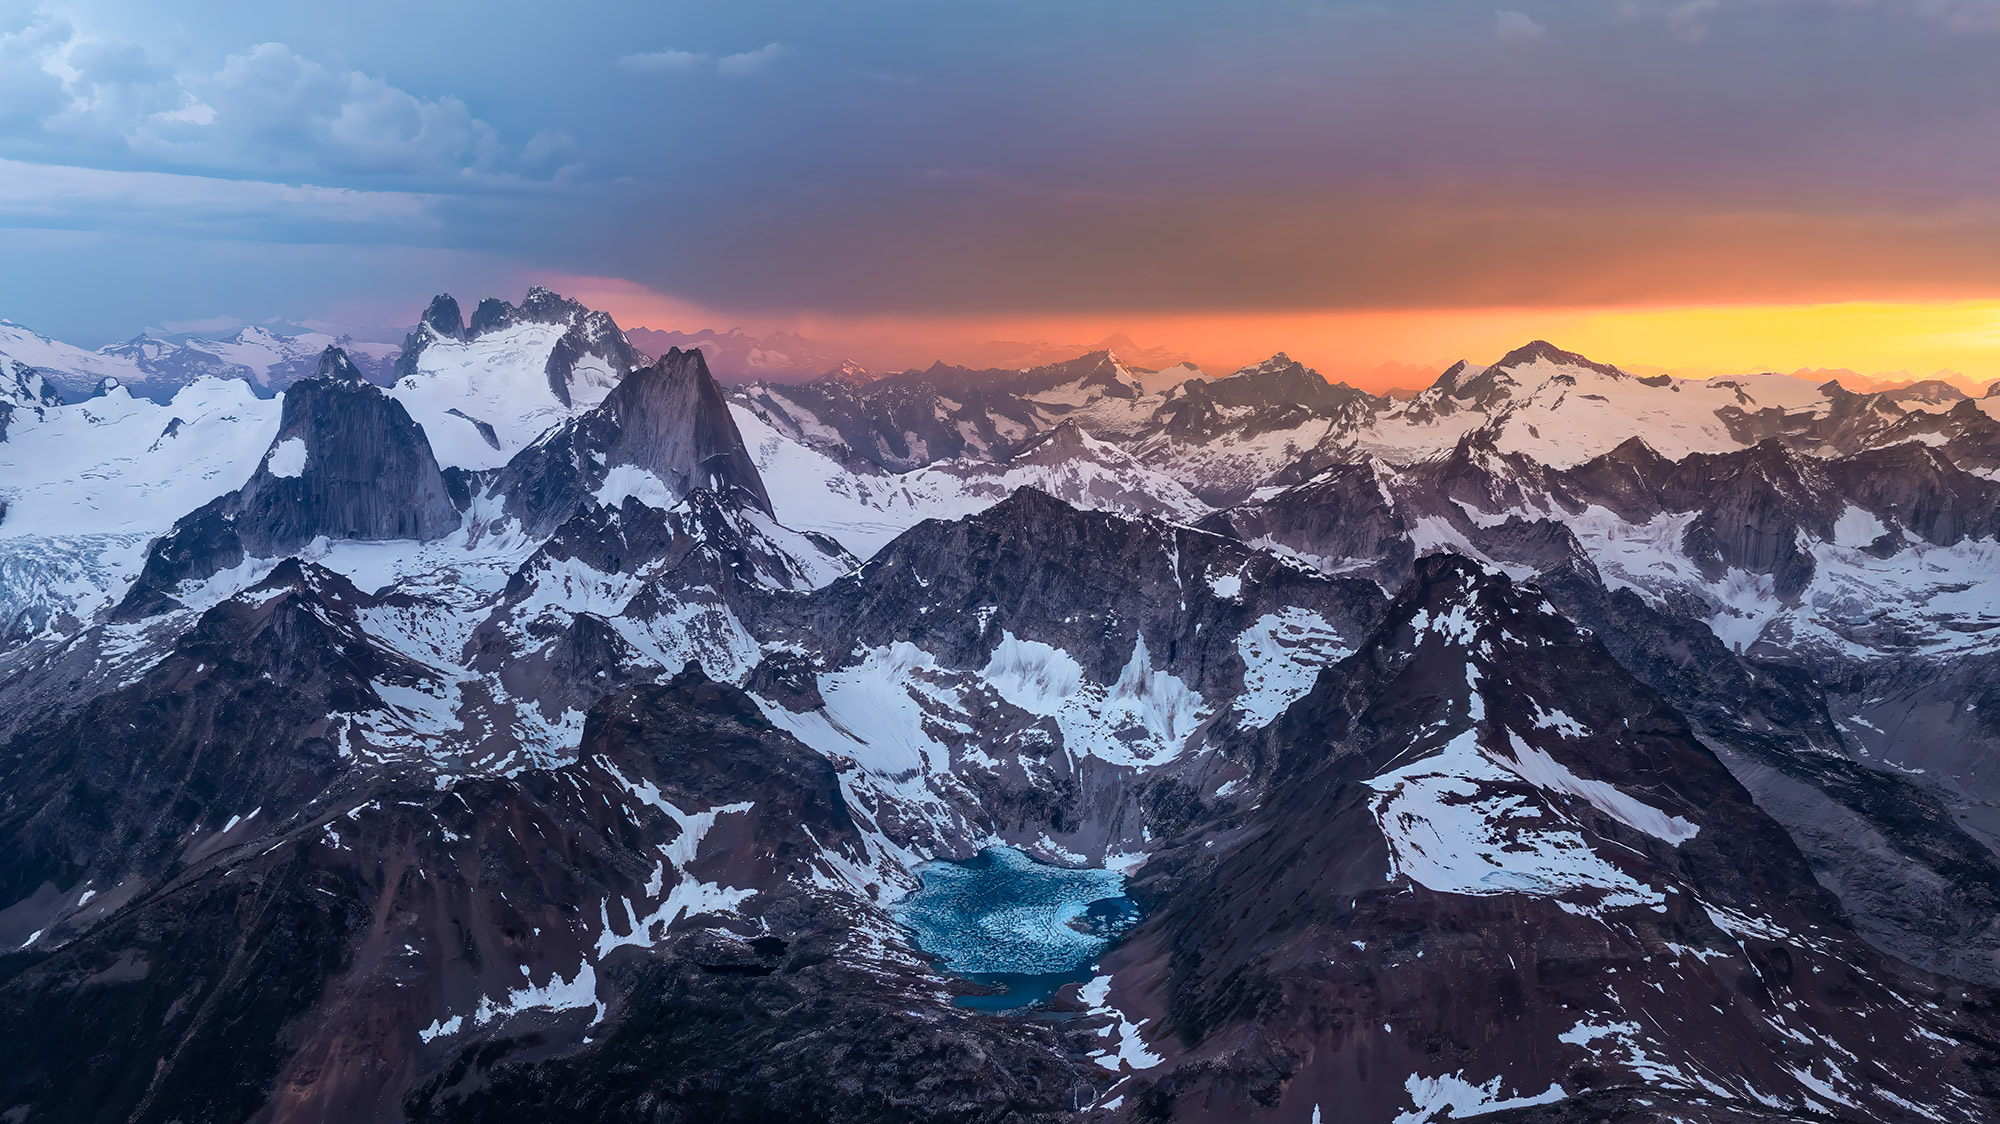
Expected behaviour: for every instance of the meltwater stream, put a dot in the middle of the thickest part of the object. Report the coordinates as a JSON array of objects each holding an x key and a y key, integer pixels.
[{"x": 1004, "y": 919}]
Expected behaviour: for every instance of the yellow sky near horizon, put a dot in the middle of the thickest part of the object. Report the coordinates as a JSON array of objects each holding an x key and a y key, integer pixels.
[{"x": 1870, "y": 337}]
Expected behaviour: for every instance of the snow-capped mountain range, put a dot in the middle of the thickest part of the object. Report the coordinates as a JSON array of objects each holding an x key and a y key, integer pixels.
[
  {"x": 158, "y": 368},
  {"x": 545, "y": 730}
]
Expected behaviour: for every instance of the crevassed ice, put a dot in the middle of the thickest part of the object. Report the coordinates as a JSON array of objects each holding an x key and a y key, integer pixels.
[
  {"x": 1043, "y": 679},
  {"x": 1003, "y": 912}
]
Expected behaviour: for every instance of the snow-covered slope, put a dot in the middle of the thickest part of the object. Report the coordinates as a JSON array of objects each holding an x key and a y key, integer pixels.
[
  {"x": 73, "y": 371},
  {"x": 486, "y": 389},
  {"x": 864, "y": 507},
  {"x": 120, "y": 463},
  {"x": 497, "y": 384}
]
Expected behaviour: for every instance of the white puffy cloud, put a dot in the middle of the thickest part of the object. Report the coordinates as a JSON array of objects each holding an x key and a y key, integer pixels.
[
  {"x": 267, "y": 111},
  {"x": 272, "y": 110}
]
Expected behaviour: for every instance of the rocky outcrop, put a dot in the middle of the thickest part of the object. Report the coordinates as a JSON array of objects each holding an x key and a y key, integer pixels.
[
  {"x": 668, "y": 422},
  {"x": 1093, "y": 584},
  {"x": 23, "y": 390},
  {"x": 591, "y": 333},
  {"x": 348, "y": 463},
  {"x": 1279, "y": 394},
  {"x": 1341, "y": 517}
]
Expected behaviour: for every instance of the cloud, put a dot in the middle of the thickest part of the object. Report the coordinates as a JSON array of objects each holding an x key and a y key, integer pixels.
[
  {"x": 28, "y": 90},
  {"x": 272, "y": 110},
  {"x": 664, "y": 62},
  {"x": 1513, "y": 27},
  {"x": 268, "y": 111},
  {"x": 751, "y": 62},
  {"x": 1692, "y": 20},
  {"x": 740, "y": 65},
  {"x": 62, "y": 195}
]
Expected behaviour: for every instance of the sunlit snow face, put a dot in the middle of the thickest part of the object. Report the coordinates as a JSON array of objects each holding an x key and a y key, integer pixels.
[{"x": 1003, "y": 912}]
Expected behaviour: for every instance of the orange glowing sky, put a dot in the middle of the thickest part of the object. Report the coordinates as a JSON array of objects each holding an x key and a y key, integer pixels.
[{"x": 1379, "y": 348}]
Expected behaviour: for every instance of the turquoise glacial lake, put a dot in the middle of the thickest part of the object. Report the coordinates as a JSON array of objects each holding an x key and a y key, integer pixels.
[{"x": 1002, "y": 918}]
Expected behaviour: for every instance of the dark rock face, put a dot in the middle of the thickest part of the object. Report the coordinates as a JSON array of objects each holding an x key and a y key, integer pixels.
[
  {"x": 1341, "y": 513},
  {"x": 1915, "y": 882},
  {"x": 915, "y": 418},
  {"x": 348, "y": 463},
  {"x": 1284, "y": 943},
  {"x": 241, "y": 715},
  {"x": 307, "y": 966},
  {"x": 669, "y": 420},
  {"x": 1758, "y": 502},
  {"x": 23, "y": 389},
  {"x": 1090, "y": 583},
  {"x": 1919, "y": 490}
]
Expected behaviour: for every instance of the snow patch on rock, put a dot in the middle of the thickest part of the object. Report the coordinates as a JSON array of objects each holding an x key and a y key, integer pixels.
[{"x": 287, "y": 458}]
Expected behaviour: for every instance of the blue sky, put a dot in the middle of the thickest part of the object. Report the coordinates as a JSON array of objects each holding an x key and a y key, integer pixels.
[{"x": 169, "y": 163}]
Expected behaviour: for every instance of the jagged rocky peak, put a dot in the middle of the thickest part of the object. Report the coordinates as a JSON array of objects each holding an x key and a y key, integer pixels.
[
  {"x": 663, "y": 432},
  {"x": 1102, "y": 369},
  {"x": 547, "y": 306},
  {"x": 1066, "y": 441},
  {"x": 1464, "y": 386},
  {"x": 1450, "y": 376},
  {"x": 539, "y": 306},
  {"x": 588, "y": 333},
  {"x": 440, "y": 321},
  {"x": 489, "y": 314},
  {"x": 1542, "y": 351},
  {"x": 1929, "y": 392},
  {"x": 444, "y": 318},
  {"x": 1278, "y": 382},
  {"x": 334, "y": 364},
  {"x": 348, "y": 463},
  {"x": 673, "y": 421}
]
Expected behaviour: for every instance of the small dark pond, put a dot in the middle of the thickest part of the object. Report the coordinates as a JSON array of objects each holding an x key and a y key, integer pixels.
[{"x": 1004, "y": 919}]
